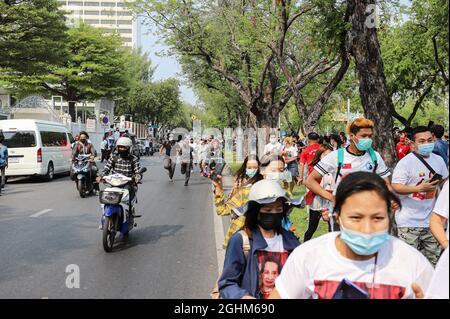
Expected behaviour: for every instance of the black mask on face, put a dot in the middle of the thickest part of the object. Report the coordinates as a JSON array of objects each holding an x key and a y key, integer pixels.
[
  {"x": 270, "y": 221},
  {"x": 83, "y": 141},
  {"x": 122, "y": 153}
]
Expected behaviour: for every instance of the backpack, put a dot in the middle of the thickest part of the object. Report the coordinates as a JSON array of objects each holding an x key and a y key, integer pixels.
[
  {"x": 215, "y": 294},
  {"x": 341, "y": 161},
  {"x": 79, "y": 147}
]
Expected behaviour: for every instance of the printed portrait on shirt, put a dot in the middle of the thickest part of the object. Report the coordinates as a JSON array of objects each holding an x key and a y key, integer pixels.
[{"x": 270, "y": 265}]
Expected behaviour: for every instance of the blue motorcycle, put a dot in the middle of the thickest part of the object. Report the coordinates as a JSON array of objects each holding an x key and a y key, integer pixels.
[{"x": 118, "y": 211}]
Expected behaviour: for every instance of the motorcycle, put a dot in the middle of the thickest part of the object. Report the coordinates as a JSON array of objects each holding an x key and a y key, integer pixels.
[
  {"x": 82, "y": 175},
  {"x": 118, "y": 214}
]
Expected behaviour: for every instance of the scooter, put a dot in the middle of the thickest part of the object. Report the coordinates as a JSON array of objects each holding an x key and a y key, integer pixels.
[
  {"x": 117, "y": 212},
  {"x": 82, "y": 175}
]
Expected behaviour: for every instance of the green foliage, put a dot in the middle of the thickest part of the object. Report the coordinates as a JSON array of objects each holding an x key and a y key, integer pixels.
[
  {"x": 32, "y": 36},
  {"x": 408, "y": 50},
  {"x": 93, "y": 67},
  {"x": 156, "y": 103}
]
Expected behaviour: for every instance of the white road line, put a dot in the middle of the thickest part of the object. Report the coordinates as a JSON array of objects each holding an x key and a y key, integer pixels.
[
  {"x": 220, "y": 237},
  {"x": 42, "y": 212}
]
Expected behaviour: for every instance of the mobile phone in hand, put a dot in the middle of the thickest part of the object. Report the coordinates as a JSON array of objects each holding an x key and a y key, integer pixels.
[
  {"x": 348, "y": 290},
  {"x": 436, "y": 177}
]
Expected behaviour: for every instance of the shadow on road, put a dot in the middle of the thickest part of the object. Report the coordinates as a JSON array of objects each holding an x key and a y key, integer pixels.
[
  {"x": 146, "y": 235},
  {"x": 35, "y": 179}
]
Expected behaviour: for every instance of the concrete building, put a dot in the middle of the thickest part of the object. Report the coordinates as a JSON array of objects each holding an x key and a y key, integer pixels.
[
  {"x": 5, "y": 104},
  {"x": 111, "y": 15}
]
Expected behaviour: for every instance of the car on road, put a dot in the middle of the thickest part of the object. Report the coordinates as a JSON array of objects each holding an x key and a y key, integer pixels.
[{"x": 37, "y": 148}]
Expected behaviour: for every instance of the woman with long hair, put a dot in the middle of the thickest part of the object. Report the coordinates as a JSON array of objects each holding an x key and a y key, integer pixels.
[
  {"x": 245, "y": 177},
  {"x": 362, "y": 257}
]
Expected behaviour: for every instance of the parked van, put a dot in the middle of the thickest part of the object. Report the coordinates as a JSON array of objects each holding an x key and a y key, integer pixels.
[{"x": 37, "y": 147}]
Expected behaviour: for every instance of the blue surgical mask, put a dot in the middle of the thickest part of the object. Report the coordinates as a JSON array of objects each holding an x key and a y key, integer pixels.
[
  {"x": 364, "y": 144},
  {"x": 251, "y": 172},
  {"x": 426, "y": 149},
  {"x": 364, "y": 244}
]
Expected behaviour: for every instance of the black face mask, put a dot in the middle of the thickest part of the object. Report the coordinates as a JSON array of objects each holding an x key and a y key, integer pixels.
[
  {"x": 270, "y": 221},
  {"x": 83, "y": 141},
  {"x": 122, "y": 153}
]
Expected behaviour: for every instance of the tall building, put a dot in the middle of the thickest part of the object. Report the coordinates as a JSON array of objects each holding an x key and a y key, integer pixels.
[{"x": 111, "y": 15}]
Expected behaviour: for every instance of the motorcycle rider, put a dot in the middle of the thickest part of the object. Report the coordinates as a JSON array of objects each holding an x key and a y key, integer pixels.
[
  {"x": 84, "y": 147},
  {"x": 122, "y": 161}
]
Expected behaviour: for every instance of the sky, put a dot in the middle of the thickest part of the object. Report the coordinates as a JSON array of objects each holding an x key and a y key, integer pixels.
[{"x": 167, "y": 67}]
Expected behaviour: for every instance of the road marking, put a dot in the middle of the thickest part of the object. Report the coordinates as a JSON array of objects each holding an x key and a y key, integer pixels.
[
  {"x": 220, "y": 237},
  {"x": 42, "y": 212}
]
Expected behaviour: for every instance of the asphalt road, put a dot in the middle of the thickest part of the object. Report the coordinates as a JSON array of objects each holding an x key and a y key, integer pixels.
[{"x": 44, "y": 227}]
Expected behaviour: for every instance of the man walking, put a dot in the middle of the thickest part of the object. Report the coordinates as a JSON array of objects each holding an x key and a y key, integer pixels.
[{"x": 413, "y": 181}]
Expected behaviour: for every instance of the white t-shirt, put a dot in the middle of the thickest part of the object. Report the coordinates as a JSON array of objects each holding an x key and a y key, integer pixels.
[
  {"x": 291, "y": 151},
  {"x": 352, "y": 163},
  {"x": 274, "y": 244},
  {"x": 441, "y": 206},
  {"x": 316, "y": 268},
  {"x": 439, "y": 288},
  {"x": 417, "y": 207},
  {"x": 273, "y": 148}
]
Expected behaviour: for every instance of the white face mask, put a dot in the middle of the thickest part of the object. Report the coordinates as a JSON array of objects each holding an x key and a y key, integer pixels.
[
  {"x": 274, "y": 176},
  {"x": 273, "y": 140}
]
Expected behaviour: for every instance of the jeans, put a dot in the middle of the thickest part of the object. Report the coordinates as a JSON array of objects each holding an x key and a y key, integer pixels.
[
  {"x": 3, "y": 178},
  {"x": 186, "y": 170}
]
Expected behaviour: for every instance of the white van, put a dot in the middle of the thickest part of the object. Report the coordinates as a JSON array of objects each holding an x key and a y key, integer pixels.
[{"x": 37, "y": 147}]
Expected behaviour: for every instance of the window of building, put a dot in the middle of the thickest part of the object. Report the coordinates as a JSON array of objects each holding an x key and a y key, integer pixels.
[
  {"x": 108, "y": 21},
  {"x": 91, "y": 21},
  {"x": 92, "y": 12},
  {"x": 124, "y": 13},
  {"x": 125, "y": 22},
  {"x": 127, "y": 39},
  {"x": 108, "y": 13},
  {"x": 91, "y": 4},
  {"x": 75, "y": 3},
  {"x": 108, "y": 4},
  {"x": 121, "y": 31}
]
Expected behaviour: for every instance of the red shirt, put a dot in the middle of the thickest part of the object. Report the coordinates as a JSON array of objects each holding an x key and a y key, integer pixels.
[
  {"x": 402, "y": 150},
  {"x": 308, "y": 155}
]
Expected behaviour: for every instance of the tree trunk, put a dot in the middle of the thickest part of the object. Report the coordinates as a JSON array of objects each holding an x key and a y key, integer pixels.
[
  {"x": 376, "y": 102},
  {"x": 72, "y": 113}
]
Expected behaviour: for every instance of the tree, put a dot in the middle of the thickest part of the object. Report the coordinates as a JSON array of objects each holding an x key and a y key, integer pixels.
[
  {"x": 415, "y": 53},
  {"x": 94, "y": 67},
  {"x": 364, "y": 47},
  {"x": 240, "y": 42},
  {"x": 32, "y": 36},
  {"x": 156, "y": 103}
]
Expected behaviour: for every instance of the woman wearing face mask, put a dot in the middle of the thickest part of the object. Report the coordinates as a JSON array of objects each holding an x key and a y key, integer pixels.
[
  {"x": 273, "y": 168},
  {"x": 242, "y": 276},
  {"x": 245, "y": 177},
  {"x": 319, "y": 207},
  {"x": 362, "y": 252}
]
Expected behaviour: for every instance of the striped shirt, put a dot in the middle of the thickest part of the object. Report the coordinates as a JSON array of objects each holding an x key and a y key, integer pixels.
[{"x": 128, "y": 166}]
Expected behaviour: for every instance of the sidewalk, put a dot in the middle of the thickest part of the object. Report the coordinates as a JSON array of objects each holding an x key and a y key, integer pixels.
[{"x": 221, "y": 223}]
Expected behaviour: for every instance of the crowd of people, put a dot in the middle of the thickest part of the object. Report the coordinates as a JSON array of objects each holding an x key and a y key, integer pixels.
[{"x": 388, "y": 227}]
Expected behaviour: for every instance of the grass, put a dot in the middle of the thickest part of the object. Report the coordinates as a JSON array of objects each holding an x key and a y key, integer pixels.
[{"x": 299, "y": 216}]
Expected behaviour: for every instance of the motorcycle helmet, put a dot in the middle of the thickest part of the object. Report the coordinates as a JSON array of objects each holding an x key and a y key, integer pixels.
[
  {"x": 124, "y": 145},
  {"x": 266, "y": 192}
]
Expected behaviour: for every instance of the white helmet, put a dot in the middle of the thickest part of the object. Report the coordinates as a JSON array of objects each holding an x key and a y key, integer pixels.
[
  {"x": 266, "y": 192},
  {"x": 124, "y": 141}
]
